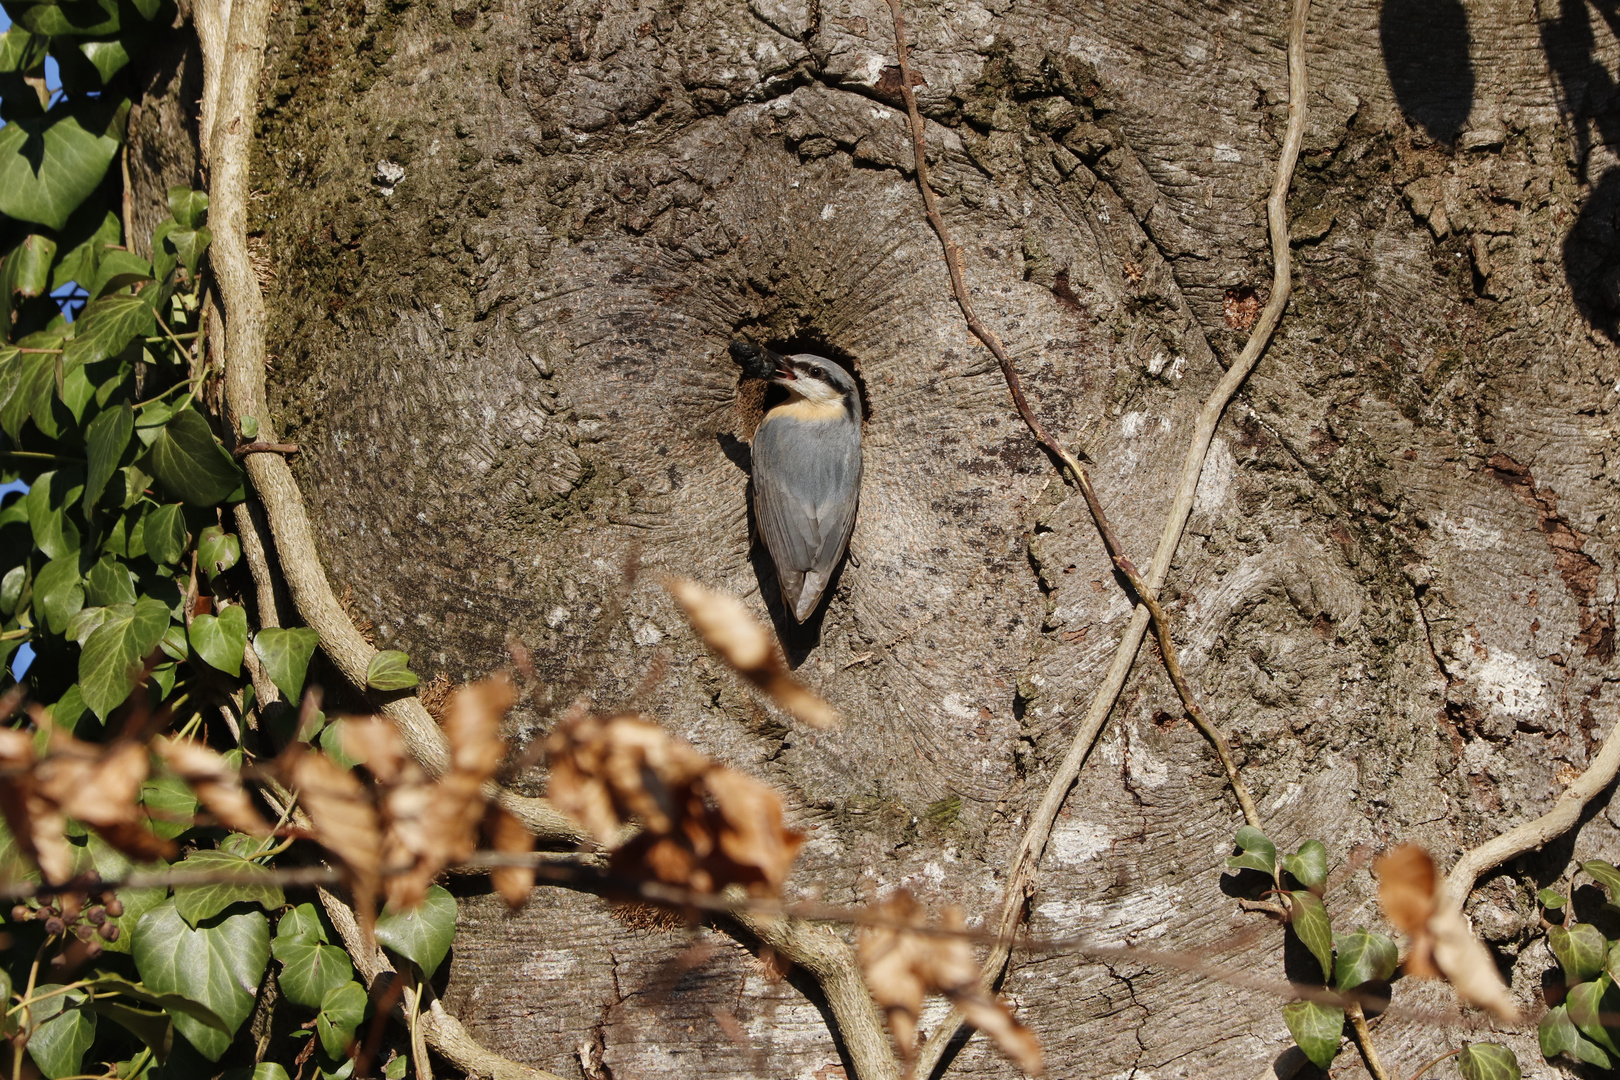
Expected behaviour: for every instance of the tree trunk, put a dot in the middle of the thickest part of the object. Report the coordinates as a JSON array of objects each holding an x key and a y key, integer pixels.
[{"x": 511, "y": 243}]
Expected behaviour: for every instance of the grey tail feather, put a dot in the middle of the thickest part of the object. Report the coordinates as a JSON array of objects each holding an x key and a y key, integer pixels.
[
  {"x": 814, "y": 584},
  {"x": 791, "y": 582}
]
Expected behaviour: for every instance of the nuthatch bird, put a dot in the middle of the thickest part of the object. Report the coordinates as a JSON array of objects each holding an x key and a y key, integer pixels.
[{"x": 807, "y": 470}]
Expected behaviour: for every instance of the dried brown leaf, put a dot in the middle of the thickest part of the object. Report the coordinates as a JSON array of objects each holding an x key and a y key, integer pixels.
[
  {"x": 752, "y": 836},
  {"x": 745, "y": 645},
  {"x": 1468, "y": 966},
  {"x": 375, "y": 743},
  {"x": 98, "y": 785},
  {"x": 902, "y": 967},
  {"x": 216, "y": 783},
  {"x": 472, "y": 724},
  {"x": 1443, "y": 943},
  {"x": 1407, "y": 881},
  {"x": 704, "y": 826},
  {"x": 345, "y": 822},
  {"x": 509, "y": 836}
]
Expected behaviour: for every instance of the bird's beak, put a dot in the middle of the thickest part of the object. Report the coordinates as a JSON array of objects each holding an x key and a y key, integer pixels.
[{"x": 783, "y": 374}]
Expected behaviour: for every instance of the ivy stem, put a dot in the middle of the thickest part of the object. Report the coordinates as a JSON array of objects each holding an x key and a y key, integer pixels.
[
  {"x": 159, "y": 397},
  {"x": 31, "y": 1000},
  {"x": 187, "y": 336},
  {"x": 177, "y": 342},
  {"x": 1436, "y": 1061},
  {"x": 38, "y": 455},
  {"x": 28, "y": 1013},
  {"x": 1364, "y": 1043}
]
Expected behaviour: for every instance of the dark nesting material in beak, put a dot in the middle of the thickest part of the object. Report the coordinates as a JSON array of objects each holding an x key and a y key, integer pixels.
[{"x": 757, "y": 362}]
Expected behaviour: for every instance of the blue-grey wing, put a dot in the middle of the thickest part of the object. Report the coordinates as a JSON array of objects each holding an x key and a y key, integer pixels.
[{"x": 806, "y": 491}]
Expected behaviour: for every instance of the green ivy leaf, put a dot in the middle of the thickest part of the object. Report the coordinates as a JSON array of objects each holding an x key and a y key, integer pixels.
[
  {"x": 396, "y": 1067},
  {"x": 27, "y": 269},
  {"x": 199, "y": 902},
  {"x": 1259, "y": 853},
  {"x": 174, "y": 1004},
  {"x": 1488, "y": 1061},
  {"x": 70, "y": 18},
  {"x": 1551, "y": 899},
  {"x": 285, "y": 654},
  {"x": 1310, "y": 921},
  {"x": 217, "y": 550},
  {"x": 189, "y": 245},
  {"x": 114, "y": 865},
  {"x": 342, "y": 1010},
  {"x": 58, "y": 592},
  {"x": 109, "y": 582},
  {"x": 165, "y": 534},
  {"x": 82, "y": 624},
  {"x": 110, "y": 663},
  {"x": 110, "y": 323},
  {"x": 1604, "y": 874},
  {"x": 108, "y": 57},
  {"x": 31, "y": 378},
  {"x": 11, "y": 589},
  {"x": 264, "y": 1070},
  {"x": 70, "y": 708},
  {"x": 21, "y": 51},
  {"x": 1317, "y": 1028},
  {"x": 221, "y": 640},
  {"x": 189, "y": 462},
  {"x": 1558, "y": 1035},
  {"x": 104, "y": 440},
  {"x": 1580, "y": 950},
  {"x": 218, "y": 964},
  {"x": 174, "y": 643},
  {"x": 188, "y": 207},
  {"x": 119, "y": 269},
  {"x": 1309, "y": 866},
  {"x": 1364, "y": 957},
  {"x": 1589, "y": 1003},
  {"x": 89, "y": 233},
  {"x": 422, "y": 935},
  {"x": 50, "y": 164},
  {"x": 310, "y": 969},
  {"x": 390, "y": 670},
  {"x": 169, "y": 805},
  {"x": 58, "y": 1045},
  {"x": 331, "y": 740},
  {"x": 47, "y": 502},
  {"x": 301, "y": 924}
]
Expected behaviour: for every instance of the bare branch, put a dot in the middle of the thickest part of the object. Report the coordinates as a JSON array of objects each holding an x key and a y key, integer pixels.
[
  {"x": 1532, "y": 834},
  {"x": 1021, "y": 876}
]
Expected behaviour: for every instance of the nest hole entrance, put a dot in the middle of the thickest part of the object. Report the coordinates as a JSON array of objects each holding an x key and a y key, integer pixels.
[{"x": 811, "y": 342}]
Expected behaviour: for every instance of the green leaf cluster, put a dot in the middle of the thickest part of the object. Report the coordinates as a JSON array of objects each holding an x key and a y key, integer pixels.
[
  {"x": 118, "y": 566},
  {"x": 1585, "y": 1026}
]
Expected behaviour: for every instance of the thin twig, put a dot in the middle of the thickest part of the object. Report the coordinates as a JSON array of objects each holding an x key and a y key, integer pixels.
[
  {"x": 1533, "y": 834},
  {"x": 1363, "y": 1039},
  {"x": 1021, "y": 874},
  {"x": 1429, "y": 1065},
  {"x": 261, "y": 447},
  {"x": 1071, "y": 466}
]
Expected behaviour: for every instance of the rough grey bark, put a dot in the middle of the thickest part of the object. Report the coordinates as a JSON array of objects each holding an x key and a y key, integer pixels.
[{"x": 507, "y": 369}]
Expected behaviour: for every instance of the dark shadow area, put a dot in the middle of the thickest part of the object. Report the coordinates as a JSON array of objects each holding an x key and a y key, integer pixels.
[
  {"x": 737, "y": 452},
  {"x": 1592, "y": 256},
  {"x": 1589, "y": 98},
  {"x": 1425, "y": 46}
]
